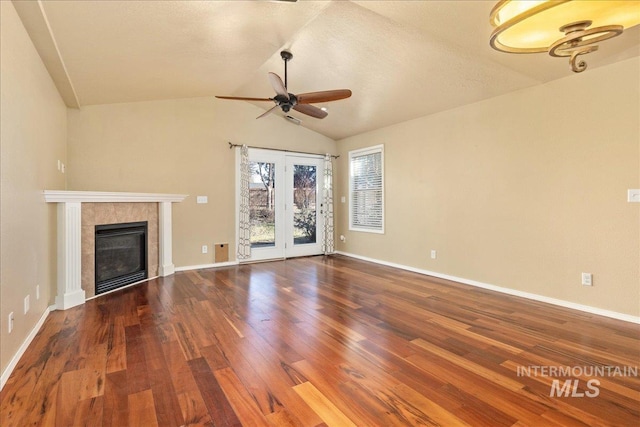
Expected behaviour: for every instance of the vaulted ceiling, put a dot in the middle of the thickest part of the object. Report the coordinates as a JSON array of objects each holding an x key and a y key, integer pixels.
[{"x": 401, "y": 59}]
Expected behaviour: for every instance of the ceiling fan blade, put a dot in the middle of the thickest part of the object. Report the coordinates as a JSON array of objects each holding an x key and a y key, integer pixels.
[
  {"x": 278, "y": 86},
  {"x": 269, "y": 111},
  {"x": 310, "y": 110},
  {"x": 324, "y": 96},
  {"x": 241, "y": 98}
]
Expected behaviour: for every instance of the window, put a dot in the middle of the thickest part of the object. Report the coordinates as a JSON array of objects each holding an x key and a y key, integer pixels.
[{"x": 366, "y": 189}]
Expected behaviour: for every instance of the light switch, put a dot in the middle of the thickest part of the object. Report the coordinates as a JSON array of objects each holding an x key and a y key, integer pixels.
[
  {"x": 343, "y": 199},
  {"x": 202, "y": 199},
  {"x": 633, "y": 195}
]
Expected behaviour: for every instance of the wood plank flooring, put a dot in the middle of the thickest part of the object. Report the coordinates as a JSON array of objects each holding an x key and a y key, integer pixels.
[{"x": 322, "y": 341}]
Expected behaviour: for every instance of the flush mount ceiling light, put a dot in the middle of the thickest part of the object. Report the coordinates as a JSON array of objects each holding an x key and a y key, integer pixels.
[{"x": 566, "y": 28}]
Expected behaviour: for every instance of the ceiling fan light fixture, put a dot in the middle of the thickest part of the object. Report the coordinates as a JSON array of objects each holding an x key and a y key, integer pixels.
[
  {"x": 294, "y": 120},
  {"x": 566, "y": 28}
]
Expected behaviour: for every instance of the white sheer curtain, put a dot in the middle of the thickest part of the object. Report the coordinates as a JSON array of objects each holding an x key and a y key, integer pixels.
[
  {"x": 327, "y": 211},
  {"x": 244, "y": 224}
]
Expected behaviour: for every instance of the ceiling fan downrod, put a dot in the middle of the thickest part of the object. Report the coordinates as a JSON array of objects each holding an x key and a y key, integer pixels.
[{"x": 286, "y": 57}]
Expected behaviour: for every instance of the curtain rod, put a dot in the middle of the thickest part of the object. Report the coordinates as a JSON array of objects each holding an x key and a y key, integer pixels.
[{"x": 277, "y": 149}]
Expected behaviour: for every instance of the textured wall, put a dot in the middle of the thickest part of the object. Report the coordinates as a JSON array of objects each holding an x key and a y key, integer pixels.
[
  {"x": 523, "y": 191},
  {"x": 180, "y": 147},
  {"x": 33, "y": 135}
]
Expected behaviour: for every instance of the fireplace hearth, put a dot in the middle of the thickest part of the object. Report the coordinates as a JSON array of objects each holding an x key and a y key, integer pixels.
[{"x": 120, "y": 255}]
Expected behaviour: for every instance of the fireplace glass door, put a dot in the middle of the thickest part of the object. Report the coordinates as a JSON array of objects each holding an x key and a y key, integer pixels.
[{"x": 121, "y": 255}]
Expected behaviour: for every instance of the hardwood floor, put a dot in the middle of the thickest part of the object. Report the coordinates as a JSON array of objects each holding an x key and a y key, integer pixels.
[{"x": 322, "y": 341}]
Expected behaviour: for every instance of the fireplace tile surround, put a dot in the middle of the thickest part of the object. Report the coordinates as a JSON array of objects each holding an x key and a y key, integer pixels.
[
  {"x": 113, "y": 213},
  {"x": 78, "y": 214}
]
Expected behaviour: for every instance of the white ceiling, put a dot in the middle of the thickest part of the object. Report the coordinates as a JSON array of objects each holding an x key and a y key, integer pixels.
[{"x": 401, "y": 59}]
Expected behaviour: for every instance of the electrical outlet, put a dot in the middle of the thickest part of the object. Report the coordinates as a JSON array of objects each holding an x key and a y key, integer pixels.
[
  {"x": 434, "y": 254},
  {"x": 37, "y": 292},
  {"x": 26, "y": 304},
  {"x": 587, "y": 279},
  {"x": 10, "y": 323},
  {"x": 205, "y": 249}
]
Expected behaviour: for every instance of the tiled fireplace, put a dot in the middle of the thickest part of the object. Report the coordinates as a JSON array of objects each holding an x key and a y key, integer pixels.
[
  {"x": 103, "y": 214},
  {"x": 79, "y": 212}
]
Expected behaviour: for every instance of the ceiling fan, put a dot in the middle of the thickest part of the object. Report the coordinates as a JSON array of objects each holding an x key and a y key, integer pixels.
[{"x": 302, "y": 102}]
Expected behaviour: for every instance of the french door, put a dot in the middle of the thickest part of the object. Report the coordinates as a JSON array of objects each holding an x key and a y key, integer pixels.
[{"x": 285, "y": 204}]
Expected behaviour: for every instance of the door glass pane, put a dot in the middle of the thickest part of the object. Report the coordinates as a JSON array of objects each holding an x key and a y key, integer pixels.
[
  {"x": 304, "y": 204},
  {"x": 262, "y": 198}
]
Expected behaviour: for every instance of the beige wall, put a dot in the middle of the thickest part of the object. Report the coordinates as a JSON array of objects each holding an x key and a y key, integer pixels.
[
  {"x": 32, "y": 139},
  {"x": 523, "y": 191},
  {"x": 178, "y": 146}
]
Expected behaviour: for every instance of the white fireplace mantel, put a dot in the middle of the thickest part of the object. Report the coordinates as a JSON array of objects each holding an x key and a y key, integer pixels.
[
  {"x": 70, "y": 292},
  {"x": 61, "y": 196}
]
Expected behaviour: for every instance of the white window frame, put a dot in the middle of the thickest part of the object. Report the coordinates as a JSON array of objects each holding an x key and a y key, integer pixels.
[{"x": 357, "y": 153}]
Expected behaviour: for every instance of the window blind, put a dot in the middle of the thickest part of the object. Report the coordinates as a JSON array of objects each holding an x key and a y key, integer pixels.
[{"x": 366, "y": 190}]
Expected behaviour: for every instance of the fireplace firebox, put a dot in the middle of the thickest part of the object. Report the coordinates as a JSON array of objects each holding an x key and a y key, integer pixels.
[{"x": 121, "y": 255}]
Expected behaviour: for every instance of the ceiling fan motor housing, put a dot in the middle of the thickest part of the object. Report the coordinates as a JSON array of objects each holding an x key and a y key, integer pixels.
[{"x": 284, "y": 103}]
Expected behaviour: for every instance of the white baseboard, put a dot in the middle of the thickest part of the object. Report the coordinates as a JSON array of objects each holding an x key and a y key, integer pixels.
[
  {"x": 514, "y": 292},
  {"x": 16, "y": 357},
  {"x": 201, "y": 266}
]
